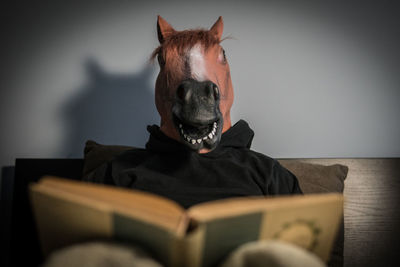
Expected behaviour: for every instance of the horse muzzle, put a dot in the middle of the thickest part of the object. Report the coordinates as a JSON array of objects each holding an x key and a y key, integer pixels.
[{"x": 196, "y": 114}]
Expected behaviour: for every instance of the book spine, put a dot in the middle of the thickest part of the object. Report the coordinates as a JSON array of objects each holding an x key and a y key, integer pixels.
[{"x": 195, "y": 245}]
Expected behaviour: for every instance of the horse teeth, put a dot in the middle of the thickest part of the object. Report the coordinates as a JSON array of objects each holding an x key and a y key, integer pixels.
[
  {"x": 205, "y": 137},
  {"x": 213, "y": 131},
  {"x": 215, "y": 124},
  {"x": 199, "y": 141},
  {"x": 210, "y": 135},
  {"x": 180, "y": 126},
  {"x": 193, "y": 141}
]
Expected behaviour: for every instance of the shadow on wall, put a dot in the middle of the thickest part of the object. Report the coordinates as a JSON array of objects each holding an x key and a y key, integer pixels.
[{"x": 110, "y": 109}]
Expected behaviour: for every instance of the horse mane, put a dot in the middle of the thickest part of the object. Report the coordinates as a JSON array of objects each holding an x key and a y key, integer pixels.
[
  {"x": 176, "y": 44},
  {"x": 180, "y": 41}
]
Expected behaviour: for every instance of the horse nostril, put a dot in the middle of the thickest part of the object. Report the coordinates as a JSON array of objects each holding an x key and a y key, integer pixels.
[
  {"x": 180, "y": 92},
  {"x": 212, "y": 91}
]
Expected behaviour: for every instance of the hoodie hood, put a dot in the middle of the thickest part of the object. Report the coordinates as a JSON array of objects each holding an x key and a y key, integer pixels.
[{"x": 239, "y": 136}]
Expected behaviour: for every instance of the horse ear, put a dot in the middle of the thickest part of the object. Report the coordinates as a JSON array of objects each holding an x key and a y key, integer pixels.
[
  {"x": 163, "y": 29},
  {"x": 218, "y": 28}
]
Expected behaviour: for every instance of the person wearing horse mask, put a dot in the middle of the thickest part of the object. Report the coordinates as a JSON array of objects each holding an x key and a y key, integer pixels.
[{"x": 196, "y": 155}]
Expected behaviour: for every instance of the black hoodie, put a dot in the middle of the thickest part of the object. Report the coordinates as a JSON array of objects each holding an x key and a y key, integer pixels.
[{"x": 168, "y": 168}]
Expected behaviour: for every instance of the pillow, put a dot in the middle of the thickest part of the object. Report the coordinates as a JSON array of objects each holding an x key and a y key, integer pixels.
[
  {"x": 316, "y": 178},
  {"x": 96, "y": 154}
]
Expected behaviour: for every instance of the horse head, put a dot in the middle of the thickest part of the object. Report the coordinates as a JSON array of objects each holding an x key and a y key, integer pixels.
[{"x": 193, "y": 91}]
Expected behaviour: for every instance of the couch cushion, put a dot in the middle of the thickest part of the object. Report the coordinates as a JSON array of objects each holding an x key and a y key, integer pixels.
[
  {"x": 96, "y": 154},
  {"x": 316, "y": 178}
]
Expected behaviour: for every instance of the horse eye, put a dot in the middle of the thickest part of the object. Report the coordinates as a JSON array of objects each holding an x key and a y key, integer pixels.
[{"x": 224, "y": 55}]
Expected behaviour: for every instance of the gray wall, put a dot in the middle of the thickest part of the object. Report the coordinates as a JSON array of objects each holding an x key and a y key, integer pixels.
[{"x": 313, "y": 79}]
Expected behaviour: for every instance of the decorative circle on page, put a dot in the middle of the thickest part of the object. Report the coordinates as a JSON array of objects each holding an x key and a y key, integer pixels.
[{"x": 299, "y": 232}]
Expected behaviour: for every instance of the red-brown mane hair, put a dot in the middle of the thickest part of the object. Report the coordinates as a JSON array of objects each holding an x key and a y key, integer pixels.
[
  {"x": 182, "y": 40},
  {"x": 176, "y": 44}
]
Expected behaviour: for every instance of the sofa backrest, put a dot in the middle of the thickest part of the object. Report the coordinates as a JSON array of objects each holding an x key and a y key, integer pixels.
[
  {"x": 371, "y": 212},
  {"x": 25, "y": 249}
]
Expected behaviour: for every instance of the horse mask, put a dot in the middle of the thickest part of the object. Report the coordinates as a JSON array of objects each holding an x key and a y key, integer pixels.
[{"x": 193, "y": 91}]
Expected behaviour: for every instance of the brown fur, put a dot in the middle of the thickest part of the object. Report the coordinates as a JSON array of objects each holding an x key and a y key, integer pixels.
[{"x": 177, "y": 44}]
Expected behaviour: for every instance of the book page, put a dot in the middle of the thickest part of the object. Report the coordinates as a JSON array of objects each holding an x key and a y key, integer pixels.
[
  {"x": 145, "y": 206},
  {"x": 309, "y": 221},
  {"x": 240, "y": 205},
  {"x": 62, "y": 221},
  {"x": 311, "y": 226}
]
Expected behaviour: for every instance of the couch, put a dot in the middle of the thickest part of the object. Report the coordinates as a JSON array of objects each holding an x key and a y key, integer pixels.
[{"x": 371, "y": 211}]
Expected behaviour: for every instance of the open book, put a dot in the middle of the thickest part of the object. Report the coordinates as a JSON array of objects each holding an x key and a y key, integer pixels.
[{"x": 69, "y": 211}]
